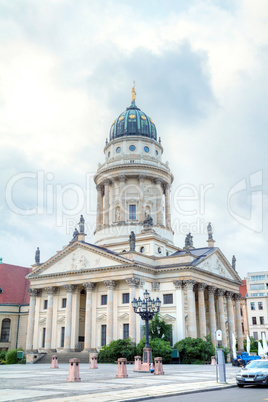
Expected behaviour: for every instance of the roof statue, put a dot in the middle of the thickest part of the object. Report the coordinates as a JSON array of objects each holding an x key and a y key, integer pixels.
[
  {"x": 82, "y": 225},
  {"x": 37, "y": 256},
  {"x": 133, "y": 92},
  {"x": 75, "y": 236},
  {"x": 210, "y": 233},
  {"x": 132, "y": 241},
  {"x": 189, "y": 242},
  {"x": 148, "y": 222},
  {"x": 234, "y": 262}
]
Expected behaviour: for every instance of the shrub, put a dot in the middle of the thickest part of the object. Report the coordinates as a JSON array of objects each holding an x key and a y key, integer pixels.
[
  {"x": 117, "y": 349},
  {"x": 3, "y": 355},
  {"x": 195, "y": 350},
  {"x": 11, "y": 356},
  {"x": 160, "y": 348}
]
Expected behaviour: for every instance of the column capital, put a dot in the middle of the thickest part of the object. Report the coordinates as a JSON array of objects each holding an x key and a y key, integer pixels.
[
  {"x": 167, "y": 186},
  {"x": 201, "y": 286},
  {"x": 70, "y": 288},
  {"x": 158, "y": 181},
  {"x": 89, "y": 286},
  {"x": 132, "y": 282},
  {"x": 229, "y": 295},
  {"x": 107, "y": 182},
  {"x": 178, "y": 284},
  {"x": 99, "y": 187},
  {"x": 35, "y": 292},
  {"x": 211, "y": 289},
  {"x": 155, "y": 286},
  {"x": 220, "y": 292},
  {"x": 122, "y": 178},
  {"x": 141, "y": 177},
  {"x": 51, "y": 290},
  {"x": 189, "y": 284},
  {"x": 110, "y": 284},
  {"x": 237, "y": 296}
]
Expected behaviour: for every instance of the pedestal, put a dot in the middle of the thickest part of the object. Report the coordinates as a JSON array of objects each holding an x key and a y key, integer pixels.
[{"x": 147, "y": 360}]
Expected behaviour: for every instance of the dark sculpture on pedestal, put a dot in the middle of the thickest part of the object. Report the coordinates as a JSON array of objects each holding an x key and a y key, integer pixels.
[
  {"x": 132, "y": 241},
  {"x": 188, "y": 242},
  {"x": 148, "y": 222},
  {"x": 75, "y": 235},
  {"x": 82, "y": 225},
  {"x": 234, "y": 262},
  {"x": 210, "y": 233},
  {"x": 37, "y": 256}
]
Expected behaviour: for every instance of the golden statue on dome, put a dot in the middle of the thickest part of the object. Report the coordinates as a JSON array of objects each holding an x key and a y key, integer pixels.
[{"x": 133, "y": 92}]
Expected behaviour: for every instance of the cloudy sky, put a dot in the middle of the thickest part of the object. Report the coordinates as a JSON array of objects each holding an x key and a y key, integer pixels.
[{"x": 66, "y": 72}]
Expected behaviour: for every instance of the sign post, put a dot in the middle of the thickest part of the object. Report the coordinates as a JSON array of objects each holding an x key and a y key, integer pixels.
[{"x": 218, "y": 337}]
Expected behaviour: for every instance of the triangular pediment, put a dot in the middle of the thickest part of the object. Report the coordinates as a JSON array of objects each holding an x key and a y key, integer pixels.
[
  {"x": 216, "y": 264},
  {"x": 79, "y": 257},
  {"x": 124, "y": 316}
]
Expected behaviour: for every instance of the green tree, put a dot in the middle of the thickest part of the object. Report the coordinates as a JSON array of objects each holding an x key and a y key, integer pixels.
[
  {"x": 160, "y": 348},
  {"x": 253, "y": 344},
  {"x": 158, "y": 328},
  {"x": 195, "y": 350}
]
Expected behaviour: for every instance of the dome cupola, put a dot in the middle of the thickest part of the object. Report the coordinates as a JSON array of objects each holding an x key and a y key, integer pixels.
[{"x": 133, "y": 122}]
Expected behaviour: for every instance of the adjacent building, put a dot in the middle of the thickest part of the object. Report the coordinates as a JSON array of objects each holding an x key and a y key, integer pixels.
[
  {"x": 257, "y": 303},
  {"x": 80, "y": 299},
  {"x": 14, "y": 306}
]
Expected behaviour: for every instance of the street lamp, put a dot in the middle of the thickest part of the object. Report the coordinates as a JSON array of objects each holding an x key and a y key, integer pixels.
[{"x": 146, "y": 308}]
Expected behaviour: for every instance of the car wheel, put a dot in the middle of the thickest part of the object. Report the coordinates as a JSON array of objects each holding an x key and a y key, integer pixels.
[{"x": 240, "y": 385}]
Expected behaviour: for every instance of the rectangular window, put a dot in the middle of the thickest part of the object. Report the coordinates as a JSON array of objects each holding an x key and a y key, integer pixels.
[
  {"x": 45, "y": 304},
  {"x": 103, "y": 300},
  {"x": 43, "y": 337},
  {"x": 103, "y": 335},
  {"x": 257, "y": 286},
  {"x": 260, "y": 306},
  {"x": 262, "y": 320},
  {"x": 258, "y": 278},
  {"x": 168, "y": 299},
  {"x": 254, "y": 321},
  {"x": 62, "y": 335},
  {"x": 125, "y": 331},
  {"x": 243, "y": 329},
  {"x": 252, "y": 306},
  {"x": 125, "y": 298},
  {"x": 63, "y": 303},
  {"x": 255, "y": 335},
  {"x": 132, "y": 212},
  {"x": 5, "y": 330},
  {"x": 241, "y": 312}
]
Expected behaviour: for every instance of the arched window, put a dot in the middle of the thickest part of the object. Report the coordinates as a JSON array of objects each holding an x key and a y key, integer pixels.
[{"x": 5, "y": 330}]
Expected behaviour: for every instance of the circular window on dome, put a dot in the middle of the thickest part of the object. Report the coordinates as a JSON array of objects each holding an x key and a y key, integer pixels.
[
  {"x": 143, "y": 117},
  {"x": 146, "y": 149},
  {"x": 132, "y": 148},
  {"x": 156, "y": 152},
  {"x": 132, "y": 116},
  {"x": 121, "y": 118},
  {"x": 118, "y": 150}
]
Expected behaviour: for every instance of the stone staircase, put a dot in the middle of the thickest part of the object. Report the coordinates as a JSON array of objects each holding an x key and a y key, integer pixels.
[{"x": 64, "y": 357}]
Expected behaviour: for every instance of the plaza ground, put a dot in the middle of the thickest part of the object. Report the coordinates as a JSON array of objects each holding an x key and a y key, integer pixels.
[{"x": 33, "y": 382}]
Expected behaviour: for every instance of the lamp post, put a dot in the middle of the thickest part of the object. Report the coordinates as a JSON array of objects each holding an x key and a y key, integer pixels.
[{"x": 146, "y": 308}]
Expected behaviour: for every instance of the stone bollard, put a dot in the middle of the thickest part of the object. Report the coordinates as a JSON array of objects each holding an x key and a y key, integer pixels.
[
  {"x": 93, "y": 360},
  {"x": 74, "y": 371},
  {"x": 137, "y": 366},
  {"x": 122, "y": 368},
  {"x": 54, "y": 362},
  {"x": 213, "y": 361},
  {"x": 158, "y": 366}
]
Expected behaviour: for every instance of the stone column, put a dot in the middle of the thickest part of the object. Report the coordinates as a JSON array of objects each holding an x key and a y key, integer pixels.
[
  {"x": 106, "y": 202},
  {"x": 132, "y": 283},
  {"x": 50, "y": 292},
  {"x": 212, "y": 312},
  {"x": 202, "y": 310},
  {"x": 191, "y": 308},
  {"x": 99, "y": 207},
  {"x": 239, "y": 333},
  {"x": 110, "y": 310},
  {"x": 88, "y": 318},
  {"x": 68, "y": 319},
  {"x": 30, "y": 332},
  {"x": 220, "y": 293},
  {"x": 229, "y": 296},
  {"x": 141, "y": 209},
  {"x": 123, "y": 211},
  {"x": 180, "y": 315},
  {"x": 167, "y": 205},
  {"x": 159, "y": 202}
]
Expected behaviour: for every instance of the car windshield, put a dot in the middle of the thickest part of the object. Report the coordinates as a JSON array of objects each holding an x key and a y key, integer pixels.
[{"x": 258, "y": 364}]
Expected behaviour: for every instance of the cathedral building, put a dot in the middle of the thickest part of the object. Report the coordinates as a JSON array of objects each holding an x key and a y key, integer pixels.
[{"x": 80, "y": 299}]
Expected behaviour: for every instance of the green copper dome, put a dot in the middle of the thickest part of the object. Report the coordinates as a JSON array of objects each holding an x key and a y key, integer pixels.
[{"x": 133, "y": 122}]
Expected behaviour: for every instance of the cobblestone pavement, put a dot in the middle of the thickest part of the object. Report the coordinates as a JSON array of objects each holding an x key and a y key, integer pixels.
[{"x": 38, "y": 382}]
